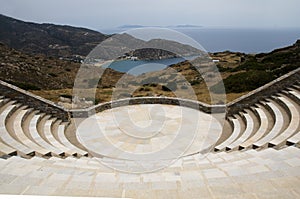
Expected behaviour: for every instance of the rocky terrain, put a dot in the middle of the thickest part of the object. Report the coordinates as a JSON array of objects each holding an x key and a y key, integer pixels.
[
  {"x": 50, "y": 77},
  {"x": 48, "y": 39}
]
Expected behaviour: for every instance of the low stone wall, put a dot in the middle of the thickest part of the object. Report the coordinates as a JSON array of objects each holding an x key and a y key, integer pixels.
[
  {"x": 33, "y": 101},
  {"x": 263, "y": 92},
  {"x": 148, "y": 100}
]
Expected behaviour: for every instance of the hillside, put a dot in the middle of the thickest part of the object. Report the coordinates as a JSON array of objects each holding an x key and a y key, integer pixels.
[
  {"x": 257, "y": 70},
  {"x": 41, "y": 73},
  {"x": 48, "y": 39}
]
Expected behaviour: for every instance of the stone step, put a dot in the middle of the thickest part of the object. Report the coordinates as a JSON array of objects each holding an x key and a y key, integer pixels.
[
  {"x": 3, "y": 101},
  {"x": 277, "y": 128},
  {"x": 246, "y": 134},
  {"x": 226, "y": 132},
  {"x": 19, "y": 132},
  {"x": 5, "y": 150},
  {"x": 7, "y": 137},
  {"x": 296, "y": 86},
  {"x": 263, "y": 128},
  {"x": 293, "y": 125},
  {"x": 26, "y": 126},
  {"x": 33, "y": 131},
  {"x": 237, "y": 129},
  {"x": 294, "y": 95},
  {"x": 47, "y": 131},
  {"x": 64, "y": 140},
  {"x": 247, "y": 169},
  {"x": 295, "y": 139},
  {"x": 70, "y": 134}
]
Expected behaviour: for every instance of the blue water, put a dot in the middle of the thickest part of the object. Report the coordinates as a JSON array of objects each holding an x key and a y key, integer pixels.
[
  {"x": 141, "y": 66},
  {"x": 239, "y": 40},
  {"x": 244, "y": 40}
]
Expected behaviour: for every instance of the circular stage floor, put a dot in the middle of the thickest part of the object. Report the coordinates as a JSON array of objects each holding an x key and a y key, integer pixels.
[{"x": 149, "y": 132}]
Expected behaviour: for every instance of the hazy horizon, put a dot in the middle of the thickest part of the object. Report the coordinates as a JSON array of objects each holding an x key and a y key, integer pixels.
[{"x": 110, "y": 14}]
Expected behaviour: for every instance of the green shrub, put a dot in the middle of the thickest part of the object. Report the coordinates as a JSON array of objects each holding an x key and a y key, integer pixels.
[
  {"x": 94, "y": 100},
  {"x": 222, "y": 69},
  {"x": 165, "y": 88},
  {"x": 249, "y": 65},
  {"x": 53, "y": 74},
  {"x": 245, "y": 81},
  {"x": 195, "y": 82},
  {"x": 147, "y": 89},
  {"x": 153, "y": 85},
  {"x": 66, "y": 96},
  {"x": 25, "y": 86}
]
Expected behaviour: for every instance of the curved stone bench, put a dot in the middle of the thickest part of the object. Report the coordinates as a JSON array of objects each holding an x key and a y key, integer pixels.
[
  {"x": 47, "y": 131},
  {"x": 246, "y": 134},
  {"x": 277, "y": 128},
  {"x": 2, "y": 101},
  {"x": 33, "y": 131},
  {"x": 263, "y": 128},
  {"x": 4, "y": 148},
  {"x": 6, "y": 135},
  {"x": 295, "y": 139},
  {"x": 70, "y": 134},
  {"x": 62, "y": 138},
  {"x": 235, "y": 134},
  {"x": 296, "y": 86},
  {"x": 296, "y": 95},
  {"x": 21, "y": 135},
  {"x": 226, "y": 132},
  {"x": 293, "y": 125}
]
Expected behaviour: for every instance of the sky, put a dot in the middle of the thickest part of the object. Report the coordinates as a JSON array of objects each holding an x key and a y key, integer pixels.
[{"x": 106, "y": 14}]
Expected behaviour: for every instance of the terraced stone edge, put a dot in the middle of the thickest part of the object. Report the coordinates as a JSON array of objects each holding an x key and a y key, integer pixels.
[
  {"x": 33, "y": 101},
  {"x": 81, "y": 113}
]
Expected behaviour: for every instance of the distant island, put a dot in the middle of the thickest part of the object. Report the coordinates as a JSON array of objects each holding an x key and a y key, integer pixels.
[
  {"x": 185, "y": 26},
  {"x": 131, "y": 26}
]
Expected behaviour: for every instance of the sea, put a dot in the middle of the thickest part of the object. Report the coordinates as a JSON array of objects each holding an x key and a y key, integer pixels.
[
  {"x": 251, "y": 41},
  {"x": 138, "y": 67},
  {"x": 243, "y": 40}
]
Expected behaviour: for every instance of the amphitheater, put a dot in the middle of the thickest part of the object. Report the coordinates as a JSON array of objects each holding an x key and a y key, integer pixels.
[{"x": 256, "y": 155}]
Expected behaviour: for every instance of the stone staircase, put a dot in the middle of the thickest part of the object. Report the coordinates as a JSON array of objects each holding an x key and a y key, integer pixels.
[
  {"x": 257, "y": 156},
  {"x": 268, "y": 173}
]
